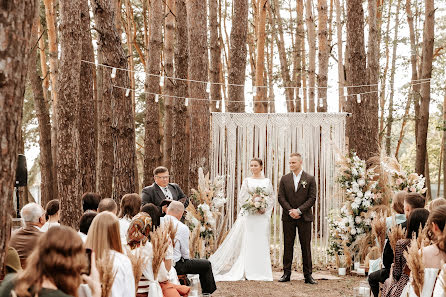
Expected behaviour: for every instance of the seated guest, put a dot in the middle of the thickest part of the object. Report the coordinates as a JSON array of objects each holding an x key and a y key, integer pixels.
[
  {"x": 398, "y": 206},
  {"x": 153, "y": 212},
  {"x": 85, "y": 222},
  {"x": 436, "y": 203},
  {"x": 413, "y": 201},
  {"x": 394, "y": 286},
  {"x": 435, "y": 254},
  {"x": 181, "y": 255},
  {"x": 52, "y": 214},
  {"x": 24, "y": 239},
  {"x": 130, "y": 204},
  {"x": 161, "y": 190},
  {"x": 108, "y": 204},
  {"x": 90, "y": 201},
  {"x": 103, "y": 238},
  {"x": 138, "y": 240},
  {"x": 54, "y": 268}
]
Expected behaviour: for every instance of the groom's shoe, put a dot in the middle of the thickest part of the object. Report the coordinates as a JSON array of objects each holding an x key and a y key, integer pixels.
[
  {"x": 285, "y": 278},
  {"x": 310, "y": 280}
]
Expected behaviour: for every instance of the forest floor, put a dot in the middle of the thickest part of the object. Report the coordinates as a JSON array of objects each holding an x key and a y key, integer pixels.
[{"x": 329, "y": 285}]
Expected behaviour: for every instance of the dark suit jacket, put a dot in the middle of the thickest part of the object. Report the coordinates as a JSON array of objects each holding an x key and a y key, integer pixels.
[
  {"x": 154, "y": 194},
  {"x": 303, "y": 198},
  {"x": 24, "y": 240}
]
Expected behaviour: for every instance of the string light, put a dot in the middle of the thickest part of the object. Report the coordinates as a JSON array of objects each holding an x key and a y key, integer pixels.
[
  {"x": 217, "y": 105},
  {"x": 127, "y": 92},
  {"x": 208, "y": 87},
  {"x": 358, "y": 98},
  {"x": 113, "y": 73},
  {"x": 156, "y": 98},
  {"x": 186, "y": 102},
  {"x": 321, "y": 104},
  {"x": 254, "y": 90},
  {"x": 162, "y": 82}
]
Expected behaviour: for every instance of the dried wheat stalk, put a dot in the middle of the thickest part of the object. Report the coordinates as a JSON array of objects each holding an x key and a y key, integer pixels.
[
  {"x": 160, "y": 244},
  {"x": 139, "y": 261},
  {"x": 347, "y": 256},
  {"x": 106, "y": 274},
  {"x": 416, "y": 266},
  {"x": 396, "y": 233},
  {"x": 193, "y": 242},
  {"x": 379, "y": 230},
  {"x": 172, "y": 230}
]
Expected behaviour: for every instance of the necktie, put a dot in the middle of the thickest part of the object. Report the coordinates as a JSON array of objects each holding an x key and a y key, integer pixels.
[{"x": 167, "y": 193}]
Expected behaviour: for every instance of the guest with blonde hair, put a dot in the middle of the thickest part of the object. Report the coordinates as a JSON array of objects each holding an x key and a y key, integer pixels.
[
  {"x": 104, "y": 239},
  {"x": 54, "y": 268},
  {"x": 398, "y": 207},
  {"x": 436, "y": 203}
]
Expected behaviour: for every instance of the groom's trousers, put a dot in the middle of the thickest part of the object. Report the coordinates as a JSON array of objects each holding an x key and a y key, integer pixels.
[
  {"x": 289, "y": 236},
  {"x": 201, "y": 267}
]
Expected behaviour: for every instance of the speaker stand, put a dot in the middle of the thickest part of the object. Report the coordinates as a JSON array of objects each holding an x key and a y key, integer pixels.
[{"x": 17, "y": 200}]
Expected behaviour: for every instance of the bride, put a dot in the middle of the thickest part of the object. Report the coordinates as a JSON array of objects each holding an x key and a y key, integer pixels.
[{"x": 245, "y": 252}]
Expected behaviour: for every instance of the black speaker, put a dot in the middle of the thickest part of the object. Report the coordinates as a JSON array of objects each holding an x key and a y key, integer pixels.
[{"x": 21, "y": 175}]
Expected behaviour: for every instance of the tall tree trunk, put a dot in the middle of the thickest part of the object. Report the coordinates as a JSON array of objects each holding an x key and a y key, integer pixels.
[
  {"x": 324, "y": 53},
  {"x": 152, "y": 138},
  {"x": 169, "y": 84},
  {"x": 260, "y": 104},
  {"x": 68, "y": 145},
  {"x": 180, "y": 119},
  {"x": 43, "y": 66},
  {"x": 444, "y": 143},
  {"x": 16, "y": 20},
  {"x": 392, "y": 80},
  {"x": 198, "y": 71},
  {"x": 43, "y": 118},
  {"x": 284, "y": 69},
  {"x": 426, "y": 74},
  {"x": 237, "y": 56},
  {"x": 299, "y": 59},
  {"x": 87, "y": 108},
  {"x": 341, "y": 74},
  {"x": 362, "y": 126},
  {"x": 269, "y": 61},
  {"x": 53, "y": 54},
  {"x": 215, "y": 50},
  {"x": 311, "y": 54},
  {"x": 382, "y": 94}
]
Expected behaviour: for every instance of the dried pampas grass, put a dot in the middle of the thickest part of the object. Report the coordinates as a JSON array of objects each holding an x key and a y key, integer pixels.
[
  {"x": 139, "y": 261},
  {"x": 194, "y": 241},
  {"x": 361, "y": 245},
  {"x": 396, "y": 233},
  {"x": 107, "y": 274},
  {"x": 416, "y": 266},
  {"x": 347, "y": 256},
  {"x": 372, "y": 255},
  {"x": 160, "y": 243},
  {"x": 171, "y": 230},
  {"x": 379, "y": 230}
]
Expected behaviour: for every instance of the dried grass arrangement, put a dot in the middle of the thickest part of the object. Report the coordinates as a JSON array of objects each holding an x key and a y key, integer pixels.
[
  {"x": 383, "y": 166},
  {"x": 345, "y": 260},
  {"x": 195, "y": 242},
  {"x": 139, "y": 261},
  {"x": 160, "y": 243},
  {"x": 416, "y": 266},
  {"x": 361, "y": 245},
  {"x": 372, "y": 255},
  {"x": 106, "y": 274},
  {"x": 379, "y": 230},
  {"x": 172, "y": 230},
  {"x": 396, "y": 233}
]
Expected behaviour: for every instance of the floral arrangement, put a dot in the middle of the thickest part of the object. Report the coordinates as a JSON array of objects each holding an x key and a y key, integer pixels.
[
  {"x": 257, "y": 202},
  {"x": 205, "y": 212},
  {"x": 412, "y": 182}
]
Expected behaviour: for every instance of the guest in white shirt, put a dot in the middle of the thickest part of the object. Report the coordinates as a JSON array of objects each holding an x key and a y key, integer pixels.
[
  {"x": 85, "y": 223},
  {"x": 130, "y": 205},
  {"x": 435, "y": 254},
  {"x": 103, "y": 238},
  {"x": 181, "y": 255},
  {"x": 52, "y": 213}
]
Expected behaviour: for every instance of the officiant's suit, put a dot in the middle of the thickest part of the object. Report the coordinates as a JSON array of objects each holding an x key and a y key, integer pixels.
[
  {"x": 302, "y": 198},
  {"x": 154, "y": 194}
]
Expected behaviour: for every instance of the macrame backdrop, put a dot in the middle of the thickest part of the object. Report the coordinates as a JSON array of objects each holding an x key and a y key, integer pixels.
[{"x": 319, "y": 137}]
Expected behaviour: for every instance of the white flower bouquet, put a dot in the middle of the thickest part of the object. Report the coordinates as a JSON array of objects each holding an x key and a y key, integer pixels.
[{"x": 257, "y": 203}]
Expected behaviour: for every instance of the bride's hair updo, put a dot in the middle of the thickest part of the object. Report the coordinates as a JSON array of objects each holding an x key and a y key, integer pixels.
[{"x": 258, "y": 161}]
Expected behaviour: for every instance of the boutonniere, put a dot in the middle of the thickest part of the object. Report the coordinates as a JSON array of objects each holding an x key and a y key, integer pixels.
[{"x": 304, "y": 184}]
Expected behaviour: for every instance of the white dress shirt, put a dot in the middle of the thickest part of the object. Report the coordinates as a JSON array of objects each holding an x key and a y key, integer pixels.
[
  {"x": 124, "y": 224},
  {"x": 167, "y": 193},
  {"x": 181, "y": 248},
  {"x": 296, "y": 179},
  {"x": 124, "y": 284},
  {"x": 48, "y": 225}
]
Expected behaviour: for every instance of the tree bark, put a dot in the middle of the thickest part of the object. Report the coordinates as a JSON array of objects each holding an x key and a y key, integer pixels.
[
  {"x": 87, "y": 108},
  {"x": 269, "y": 62},
  {"x": 68, "y": 145},
  {"x": 323, "y": 55},
  {"x": 299, "y": 60},
  {"x": 444, "y": 150},
  {"x": 43, "y": 118},
  {"x": 152, "y": 138},
  {"x": 53, "y": 54},
  {"x": 426, "y": 74},
  {"x": 198, "y": 71},
  {"x": 237, "y": 56},
  {"x": 363, "y": 124},
  {"x": 311, "y": 54},
  {"x": 341, "y": 75},
  {"x": 180, "y": 136},
  {"x": 16, "y": 20},
  {"x": 215, "y": 50},
  {"x": 392, "y": 80},
  {"x": 169, "y": 84},
  {"x": 260, "y": 104}
]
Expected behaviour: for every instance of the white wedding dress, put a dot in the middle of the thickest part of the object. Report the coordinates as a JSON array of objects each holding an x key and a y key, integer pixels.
[{"x": 245, "y": 252}]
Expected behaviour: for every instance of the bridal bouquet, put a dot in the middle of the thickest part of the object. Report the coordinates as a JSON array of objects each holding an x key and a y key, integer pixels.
[{"x": 257, "y": 202}]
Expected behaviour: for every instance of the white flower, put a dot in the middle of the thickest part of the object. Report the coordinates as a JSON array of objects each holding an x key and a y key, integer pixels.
[
  {"x": 358, "y": 220},
  {"x": 368, "y": 194},
  {"x": 366, "y": 203},
  {"x": 367, "y": 221},
  {"x": 353, "y": 231},
  {"x": 355, "y": 187},
  {"x": 359, "y": 230},
  {"x": 358, "y": 200},
  {"x": 359, "y": 194},
  {"x": 202, "y": 229},
  {"x": 361, "y": 182},
  {"x": 355, "y": 205},
  {"x": 354, "y": 171},
  {"x": 204, "y": 207}
]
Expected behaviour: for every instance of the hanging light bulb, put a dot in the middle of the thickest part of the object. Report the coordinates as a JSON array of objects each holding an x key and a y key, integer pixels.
[
  {"x": 254, "y": 90},
  {"x": 217, "y": 105},
  {"x": 127, "y": 92},
  {"x": 321, "y": 104},
  {"x": 113, "y": 73},
  {"x": 162, "y": 82},
  {"x": 358, "y": 98},
  {"x": 186, "y": 102},
  {"x": 156, "y": 98},
  {"x": 208, "y": 87}
]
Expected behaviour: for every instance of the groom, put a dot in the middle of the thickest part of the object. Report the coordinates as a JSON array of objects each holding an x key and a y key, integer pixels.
[{"x": 297, "y": 194}]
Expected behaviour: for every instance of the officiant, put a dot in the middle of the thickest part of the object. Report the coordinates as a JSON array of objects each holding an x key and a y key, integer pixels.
[{"x": 161, "y": 192}]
